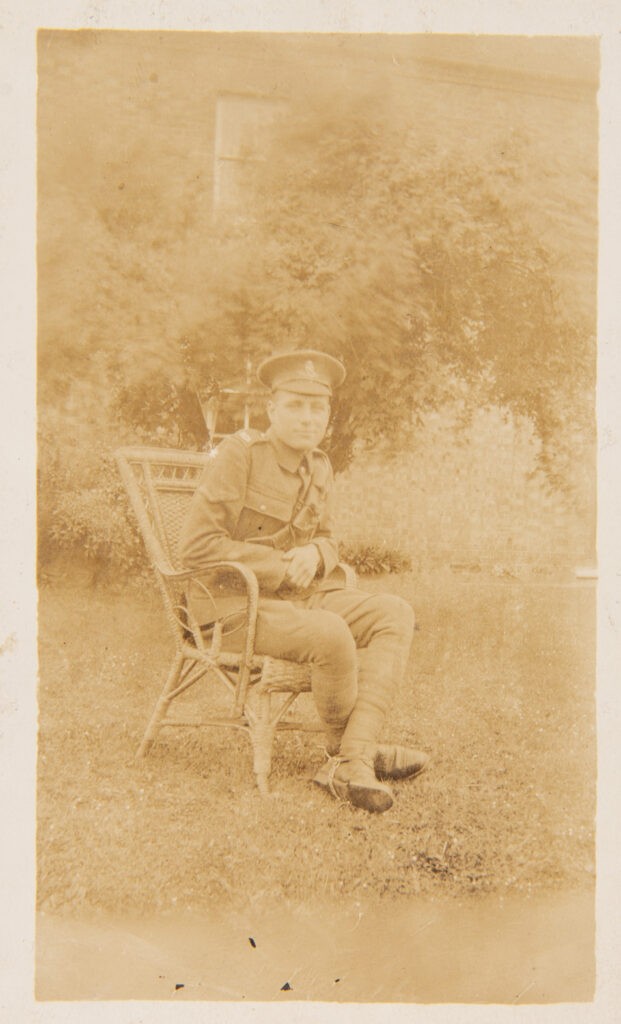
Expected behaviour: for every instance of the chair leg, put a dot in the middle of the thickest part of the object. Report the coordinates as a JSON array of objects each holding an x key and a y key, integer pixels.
[
  {"x": 262, "y": 740},
  {"x": 161, "y": 706}
]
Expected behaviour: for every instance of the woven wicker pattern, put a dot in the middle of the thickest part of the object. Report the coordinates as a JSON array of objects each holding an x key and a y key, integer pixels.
[
  {"x": 173, "y": 506},
  {"x": 160, "y": 484}
]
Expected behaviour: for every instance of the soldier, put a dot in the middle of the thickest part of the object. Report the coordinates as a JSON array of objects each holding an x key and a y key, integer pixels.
[{"x": 266, "y": 500}]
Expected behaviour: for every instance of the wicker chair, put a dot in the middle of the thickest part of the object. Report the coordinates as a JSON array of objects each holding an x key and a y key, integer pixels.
[{"x": 160, "y": 483}]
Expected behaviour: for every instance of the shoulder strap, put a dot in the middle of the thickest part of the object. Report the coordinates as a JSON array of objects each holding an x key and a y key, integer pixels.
[
  {"x": 249, "y": 436},
  {"x": 321, "y": 467}
]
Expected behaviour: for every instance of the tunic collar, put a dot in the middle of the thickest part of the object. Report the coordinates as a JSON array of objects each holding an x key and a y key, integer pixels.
[{"x": 287, "y": 457}]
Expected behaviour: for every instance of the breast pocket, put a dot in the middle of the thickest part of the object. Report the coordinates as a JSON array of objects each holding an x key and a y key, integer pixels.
[
  {"x": 263, "y": 516},
  {"x": 272, "y": 504}
]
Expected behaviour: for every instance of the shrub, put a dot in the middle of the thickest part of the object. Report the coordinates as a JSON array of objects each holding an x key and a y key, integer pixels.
[
  {"x": 97, "y": 524},
  {"x": 373, "y": 559}
]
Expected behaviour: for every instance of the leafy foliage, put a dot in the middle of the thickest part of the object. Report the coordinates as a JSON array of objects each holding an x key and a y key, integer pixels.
[
  {"x": 83, "y": 510},
  {"x": 415, "y": 266},
  {"x": 368, "y": 231},
  {"x": 374, "y": 559}
]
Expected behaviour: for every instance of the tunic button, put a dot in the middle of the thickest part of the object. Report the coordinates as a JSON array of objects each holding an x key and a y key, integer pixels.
[{"x": 263, "y": 508}]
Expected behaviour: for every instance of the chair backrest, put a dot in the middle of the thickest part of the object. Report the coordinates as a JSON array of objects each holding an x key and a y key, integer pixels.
[{"x": 160, "y": 483}]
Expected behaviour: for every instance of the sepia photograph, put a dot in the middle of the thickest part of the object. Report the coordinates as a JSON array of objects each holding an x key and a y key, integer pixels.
[{"x": 317, "y": 517}]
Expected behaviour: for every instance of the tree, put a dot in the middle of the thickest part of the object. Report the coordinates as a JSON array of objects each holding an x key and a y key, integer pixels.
[
  {"x": 362, "y": 233},
  {"x": 413, "y": 265}
]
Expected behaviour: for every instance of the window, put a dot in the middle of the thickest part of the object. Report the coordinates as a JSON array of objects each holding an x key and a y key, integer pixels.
[{"x": 244, "y": 124}]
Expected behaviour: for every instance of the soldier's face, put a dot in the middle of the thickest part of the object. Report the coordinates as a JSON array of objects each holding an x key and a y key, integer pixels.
[{"x": 299, "y": 421}]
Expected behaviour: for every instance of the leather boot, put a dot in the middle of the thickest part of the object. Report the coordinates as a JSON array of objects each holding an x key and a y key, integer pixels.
[
  {"x": 394, "y": 762},
  {"x": 390, "y": 761},
  {"x": 353, "y": 779}
]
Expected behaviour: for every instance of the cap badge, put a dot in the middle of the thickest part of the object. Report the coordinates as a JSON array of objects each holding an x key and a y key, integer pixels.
[{"x": 309, "y": 368}]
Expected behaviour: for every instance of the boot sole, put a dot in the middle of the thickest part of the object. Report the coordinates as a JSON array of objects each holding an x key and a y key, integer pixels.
[
  {"x": 373, "y": 800},
  {"x": 400, "y": 773}
]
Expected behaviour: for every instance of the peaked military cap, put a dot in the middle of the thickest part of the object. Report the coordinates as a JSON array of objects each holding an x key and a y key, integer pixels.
[{"x": 306, "y": 372}]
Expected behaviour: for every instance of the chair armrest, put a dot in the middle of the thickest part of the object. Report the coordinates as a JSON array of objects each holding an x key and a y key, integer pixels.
[
  {"x": 249, "y": 580},
  {"x": 252, "y": 593},
  {"x": 247, "y": 574}
]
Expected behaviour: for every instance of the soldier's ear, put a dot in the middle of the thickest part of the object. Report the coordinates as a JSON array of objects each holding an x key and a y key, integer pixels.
[{"x": 269, "y": 408}]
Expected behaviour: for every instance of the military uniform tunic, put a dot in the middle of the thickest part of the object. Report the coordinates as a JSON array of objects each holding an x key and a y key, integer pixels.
[{"x": 257, "y": 499}]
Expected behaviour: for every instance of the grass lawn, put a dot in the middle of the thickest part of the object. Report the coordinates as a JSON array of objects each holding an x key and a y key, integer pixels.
[{"x": 500, "y": 690}]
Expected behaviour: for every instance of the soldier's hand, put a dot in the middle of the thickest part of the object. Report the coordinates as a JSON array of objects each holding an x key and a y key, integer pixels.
[{"x": 303, "y": 565}]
